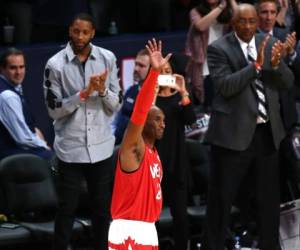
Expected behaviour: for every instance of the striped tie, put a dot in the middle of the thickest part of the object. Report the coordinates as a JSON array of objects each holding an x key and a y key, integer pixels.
[{"x": 260, "y": 91}]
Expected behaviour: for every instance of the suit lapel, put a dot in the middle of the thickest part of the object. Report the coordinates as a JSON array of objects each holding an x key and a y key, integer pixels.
[
  {"x": 280, "y": 33},
  {"x": 236, "y": 52},
  {"x": 258, "y": 40},
  {"x": 239, "y": 57}
]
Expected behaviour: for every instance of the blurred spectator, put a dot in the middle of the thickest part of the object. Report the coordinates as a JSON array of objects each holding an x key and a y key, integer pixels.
[
  {"x": 141, "y": 69},
  {"x": 267, "y": 14},
  {"x": 287, "y": 14},
  {"x": 283, "y": 8},
  {"x": 209, "y": 21},
  {"x": 176, "y": 105},
  {"x": 18, "y": 131}
]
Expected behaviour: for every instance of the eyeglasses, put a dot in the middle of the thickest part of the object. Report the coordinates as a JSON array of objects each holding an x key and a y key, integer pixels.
[{"x": 247, "y": 21}]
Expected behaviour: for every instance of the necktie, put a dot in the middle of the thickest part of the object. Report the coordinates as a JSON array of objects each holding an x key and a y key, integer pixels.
[{"x": 260, "y": 91}]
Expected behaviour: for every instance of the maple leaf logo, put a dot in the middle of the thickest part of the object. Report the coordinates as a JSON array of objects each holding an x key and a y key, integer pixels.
[{"x": 129, "y": 244}]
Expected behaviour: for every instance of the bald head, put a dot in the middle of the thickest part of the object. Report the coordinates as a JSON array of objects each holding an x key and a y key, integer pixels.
[
  {"x": 243, "y": 7},
  {"x": 155, "y": 123},
  {"x": 244, "y": 22}
]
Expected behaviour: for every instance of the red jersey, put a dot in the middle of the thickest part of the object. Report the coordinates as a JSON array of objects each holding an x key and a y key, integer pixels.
[{"x": 137, "y": 195}]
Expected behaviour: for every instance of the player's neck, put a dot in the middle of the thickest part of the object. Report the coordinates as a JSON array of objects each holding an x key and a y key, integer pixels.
[{"x": 149, "y": 142}]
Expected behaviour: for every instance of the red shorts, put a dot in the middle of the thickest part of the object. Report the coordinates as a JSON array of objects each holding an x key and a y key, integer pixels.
[{"x": 132, "y": 235}]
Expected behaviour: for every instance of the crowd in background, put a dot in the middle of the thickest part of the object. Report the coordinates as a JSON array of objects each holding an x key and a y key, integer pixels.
[
  {"x": 34, "y": 20},
  {"x": 38, "y": 21},
  {"x": 205, "y": 21}
]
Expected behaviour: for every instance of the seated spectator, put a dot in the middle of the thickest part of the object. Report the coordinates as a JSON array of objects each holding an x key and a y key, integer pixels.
[
  {"x": 141, "y": 68},
  {"x": 18, "y": 131}
]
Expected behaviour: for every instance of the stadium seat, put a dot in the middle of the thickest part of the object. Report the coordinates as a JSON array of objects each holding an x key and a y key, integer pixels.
[{"x": 29, "y": 196}]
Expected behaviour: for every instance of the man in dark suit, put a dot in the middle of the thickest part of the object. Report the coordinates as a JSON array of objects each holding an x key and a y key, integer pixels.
[
  {"x": 245, "y": 129},
  {"x": 267, "y": 12}
]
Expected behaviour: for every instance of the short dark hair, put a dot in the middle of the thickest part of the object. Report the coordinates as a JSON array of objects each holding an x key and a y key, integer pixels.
[
  {"x": 8, "y": 52},
  {"x": 85, "y": 17},
  {"x": 143, "y": 52},
  {"x": 259, "y": 2}
]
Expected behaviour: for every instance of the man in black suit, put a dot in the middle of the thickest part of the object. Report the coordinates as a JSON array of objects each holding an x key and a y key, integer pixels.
[{"x": 245, "y": 128}]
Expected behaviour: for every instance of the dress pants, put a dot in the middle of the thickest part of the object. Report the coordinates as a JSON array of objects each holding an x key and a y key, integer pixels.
[
  {"x": 228, "y": 171},
  {"x": 99, "y": 177},
  {"x": 175, "y": 196}
]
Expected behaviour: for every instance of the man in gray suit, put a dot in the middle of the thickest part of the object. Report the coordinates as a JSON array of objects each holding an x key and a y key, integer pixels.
[{"x": 245, "y": 129}]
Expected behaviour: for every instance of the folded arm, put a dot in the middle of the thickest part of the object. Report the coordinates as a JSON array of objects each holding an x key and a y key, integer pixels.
[{"x": 13, "y": 119}]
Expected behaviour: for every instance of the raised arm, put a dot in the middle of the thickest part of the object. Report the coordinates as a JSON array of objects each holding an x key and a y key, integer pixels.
[
  {"x": 234, "y": 6},
  {"x": 202, "y": 23},
  {"x": 280, "y": 19},
  {"x": 133, "y": 146}
]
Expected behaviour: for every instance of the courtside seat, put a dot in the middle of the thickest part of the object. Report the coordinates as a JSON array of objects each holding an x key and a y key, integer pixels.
[
  {"x": 13, "y": 234},
  {"x": 164, "y": 229},
  {"x": 29, "y": 195}
]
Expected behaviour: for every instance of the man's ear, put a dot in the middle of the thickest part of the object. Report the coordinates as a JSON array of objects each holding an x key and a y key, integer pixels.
[
  {"x": 232, "y": 22},
  {"x": 70, "y": 31}
]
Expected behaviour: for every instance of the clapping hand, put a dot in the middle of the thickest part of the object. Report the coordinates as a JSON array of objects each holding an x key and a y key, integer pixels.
[
  {"x": 261, "y": 51},
  {"x": 276, "y": 53},
  {"x": 289, "y": 44},
  {"x": 97, "y": 83}
]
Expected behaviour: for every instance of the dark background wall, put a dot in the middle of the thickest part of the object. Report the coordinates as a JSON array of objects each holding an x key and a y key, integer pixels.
[{"x": 37, "y": 21}]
